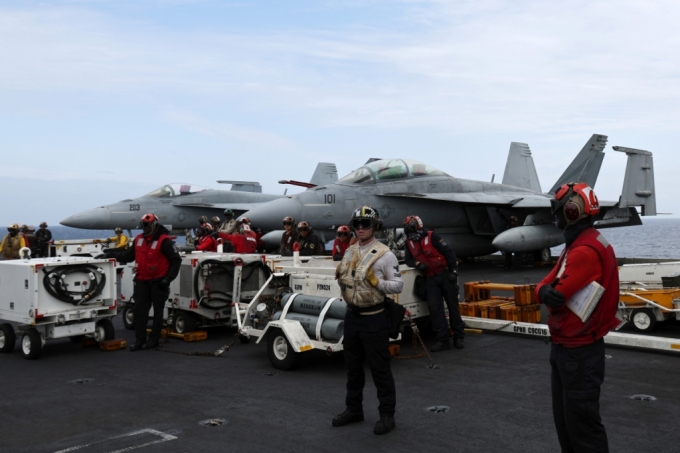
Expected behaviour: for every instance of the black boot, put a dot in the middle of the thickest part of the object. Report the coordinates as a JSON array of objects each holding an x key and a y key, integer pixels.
[
  {"x": 348, "y": 417},
  {"x": 151, "y": 344},
  {"x": 137, "y": 346},
  {"x": 458, "y": 343},
  {"x": 384, "y": 425},
  {"x": 441, "y": 345}
]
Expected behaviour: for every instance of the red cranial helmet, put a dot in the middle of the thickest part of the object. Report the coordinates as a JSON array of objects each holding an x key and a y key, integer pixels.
[
  {"x": 343, "y": 229},
  {"x": 578, "y": 201},
  {"x": 412, "y": 224}
]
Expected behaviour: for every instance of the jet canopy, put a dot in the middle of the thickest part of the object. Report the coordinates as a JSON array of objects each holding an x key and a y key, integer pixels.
[
  {"x": 175, "y": 190},
  {"x": 389, "y": 169}
]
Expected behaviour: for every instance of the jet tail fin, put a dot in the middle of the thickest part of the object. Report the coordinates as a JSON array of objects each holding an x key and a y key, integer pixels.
[
  {"x": 244, "y": 186},
  {"x": 586, "y": 166},
  {"x": 519, "y": 168},
  {"x": 638, "y": 184},
  {"x": 325, "y": 173}
]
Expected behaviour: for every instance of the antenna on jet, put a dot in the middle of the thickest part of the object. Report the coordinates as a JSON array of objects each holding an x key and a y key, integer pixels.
[
  {"x": 493, "y": 177},
  {"x": 285, "y": 191},
  {"x": 372, "y": 159}
]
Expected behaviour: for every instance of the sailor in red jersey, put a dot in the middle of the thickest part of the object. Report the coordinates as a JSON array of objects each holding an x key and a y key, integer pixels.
[
  {"x": 245, "y": 241},
  {"x": 205, "y": 243},
  {"x": 341, "y": 242},
  {"x": 577, "y": 352},
  {"x": 158, "y": 263}
]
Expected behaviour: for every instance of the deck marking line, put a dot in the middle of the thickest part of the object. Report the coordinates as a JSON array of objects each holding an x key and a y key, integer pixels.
[{"x": 164, "y": 438}]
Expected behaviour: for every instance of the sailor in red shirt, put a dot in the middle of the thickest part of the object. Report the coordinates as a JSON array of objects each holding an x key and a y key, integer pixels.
[
  {"x": 245, "y": 241},
  {"x": 341, "y": 242},
  {"x": 577, "y": 352},
  {"x": 205, "y": 242},
  {"x": 158, "y": 264}
]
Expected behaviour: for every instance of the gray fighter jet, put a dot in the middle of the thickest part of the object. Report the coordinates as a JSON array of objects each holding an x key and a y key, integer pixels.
[
  {"x": 178, "y": 206},
  {"x": 470, "y": 215}
]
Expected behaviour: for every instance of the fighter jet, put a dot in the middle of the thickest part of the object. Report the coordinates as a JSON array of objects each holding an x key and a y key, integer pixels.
[
  {"x": 178, "y": 206},
  {"x": 469, "y": 215}
]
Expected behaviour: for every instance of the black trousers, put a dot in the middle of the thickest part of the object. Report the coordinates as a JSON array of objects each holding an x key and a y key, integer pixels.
[
  {"x": 367, "y": 340},
  {"x": 439, "y": 288},
  {"x": 577, "y": 374},
  {"x": 146, "y": 295}
]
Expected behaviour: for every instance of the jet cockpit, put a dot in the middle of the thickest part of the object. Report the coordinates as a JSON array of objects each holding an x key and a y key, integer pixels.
[
  {"x": 175, "y": 190},
  {"x": 390, "y": 169}
]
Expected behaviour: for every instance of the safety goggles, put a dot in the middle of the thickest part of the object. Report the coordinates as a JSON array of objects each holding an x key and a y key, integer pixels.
[
  {"x": 146, "y": 224},
  {"x": 362, "y": 223},
  {"x": 303, "y": 229},
  {"x": 343, "y": 234},
  {"x": 287, "y": 223}
]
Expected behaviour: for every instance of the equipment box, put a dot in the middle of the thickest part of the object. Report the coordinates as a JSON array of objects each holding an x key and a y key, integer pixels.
[
  {"x": 671, "y": 281},
  {"x": 56, "y": 298}
]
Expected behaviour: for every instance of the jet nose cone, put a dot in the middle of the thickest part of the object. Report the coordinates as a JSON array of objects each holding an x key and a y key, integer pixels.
[
  {"x": 93, "y": 219},
  {"x": 270, "y": 215}
]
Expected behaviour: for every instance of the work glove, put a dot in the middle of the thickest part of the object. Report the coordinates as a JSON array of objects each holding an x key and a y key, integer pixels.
[
  {"x": 551, "y": 297},
  {"x": 371, "y": 278},
  {"x": 453, "y": 275},
  {"x": 164, "y": 284},
  {"x": 421, "y": 267},
  {"x": 337, "y": 257}
]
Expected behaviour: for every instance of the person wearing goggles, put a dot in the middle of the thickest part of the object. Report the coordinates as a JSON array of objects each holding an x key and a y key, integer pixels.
[
  {"x": 309, "y": 242},
  {"x": 288, "y": 238},
  {"x": 367, "y": 273},
  {"x": 577, "y": 352},
  {"x": 342, "y": 239},
  {"x": 12, "y": 243},
  {"x": 158, "y": 263},
  {"x": 426, "y": 251}
]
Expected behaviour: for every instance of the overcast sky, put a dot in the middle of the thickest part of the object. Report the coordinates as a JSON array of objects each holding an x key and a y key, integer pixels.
[{"x": 106, "y": 100}]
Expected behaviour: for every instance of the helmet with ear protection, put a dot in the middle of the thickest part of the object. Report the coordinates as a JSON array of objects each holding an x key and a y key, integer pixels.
[{"x": 577, "y": 200}]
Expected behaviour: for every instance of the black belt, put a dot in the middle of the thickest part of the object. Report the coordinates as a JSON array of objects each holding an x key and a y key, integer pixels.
[{"x": 359, "y": 310}]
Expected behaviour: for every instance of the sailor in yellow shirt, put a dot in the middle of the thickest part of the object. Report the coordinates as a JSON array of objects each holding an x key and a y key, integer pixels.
[
  {"x": 12, "y": 243},
  {"x": 120, "y": 239}
]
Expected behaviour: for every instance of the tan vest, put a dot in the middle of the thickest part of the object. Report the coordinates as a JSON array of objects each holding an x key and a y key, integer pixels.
[
  {"x": 11, "y": 246},
  {"x": 356, "y": 290}
]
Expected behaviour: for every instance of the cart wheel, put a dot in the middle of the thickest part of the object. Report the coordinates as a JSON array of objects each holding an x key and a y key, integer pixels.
[
  {"x": 643, "y": 319},
  {"x": 280, "y": 352},
  {"x": 184, "y": 322},
  {"x": 129, "y": 317},
  {"x": 31, "y": 344},
  {"x": 243, "y": 339},
  {"x": 7, "y": 338},
  {"x": 77, "y": 338},
  {"x": 104, "y": 330},
  {"x": 542, "y": 256}
]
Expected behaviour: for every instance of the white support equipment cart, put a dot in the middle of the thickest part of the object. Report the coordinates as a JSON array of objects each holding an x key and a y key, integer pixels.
[
  {"x": 209, "y": 290},
  {"x": 315, "y": 277},
  {"x": 56, "y": 298}
]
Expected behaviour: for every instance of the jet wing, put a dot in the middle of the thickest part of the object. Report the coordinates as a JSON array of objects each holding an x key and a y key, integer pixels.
[{"x": 516, "y": 200}]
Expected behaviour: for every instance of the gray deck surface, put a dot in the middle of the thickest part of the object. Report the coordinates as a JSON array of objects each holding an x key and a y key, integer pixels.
[{"x": 497, "y": 389}]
